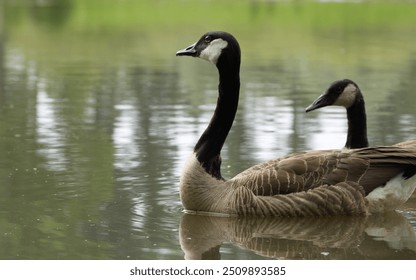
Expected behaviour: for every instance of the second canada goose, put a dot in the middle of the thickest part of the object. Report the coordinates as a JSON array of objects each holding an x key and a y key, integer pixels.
[
  {"x": 346, "y": 93},
  {"x": 311, "y": 183}
]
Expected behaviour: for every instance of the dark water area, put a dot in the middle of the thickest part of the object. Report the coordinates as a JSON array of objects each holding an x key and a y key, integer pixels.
[{"x": 97, "y": 117}]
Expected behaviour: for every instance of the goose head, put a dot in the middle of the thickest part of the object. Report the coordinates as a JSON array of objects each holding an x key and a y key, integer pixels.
[
  {"x": 347, "y": 94},
  {"x": 343, "y": 93},
  {"x": 217, "y": 47}
]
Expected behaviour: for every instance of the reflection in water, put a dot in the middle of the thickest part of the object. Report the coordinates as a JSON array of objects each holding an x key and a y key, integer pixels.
[
  {"x": 336, "y": 126},
  {"x": 125, "y": 143},
  {"x": 49, "y": 134},
  {"x": 388, "y": 236},
  {"x": 271, "y": 122}
]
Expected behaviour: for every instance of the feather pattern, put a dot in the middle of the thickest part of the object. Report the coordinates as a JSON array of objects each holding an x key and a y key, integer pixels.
[
  {"x": 370, "y": 167},
  {"x": 236, "y": 197}
]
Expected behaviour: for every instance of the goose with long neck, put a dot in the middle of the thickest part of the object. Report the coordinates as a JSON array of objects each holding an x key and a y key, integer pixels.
[
  {"x": 346, "y": 93},
  {"x": 311, "y": 183},
  {"x": 223, "y": 50}
]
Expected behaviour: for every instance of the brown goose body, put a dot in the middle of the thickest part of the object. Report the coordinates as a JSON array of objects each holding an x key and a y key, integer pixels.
[{"x": 311, "y": 183}]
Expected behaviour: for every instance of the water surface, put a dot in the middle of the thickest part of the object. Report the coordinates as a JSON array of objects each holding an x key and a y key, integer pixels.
[{"x": 97, "y": 117}]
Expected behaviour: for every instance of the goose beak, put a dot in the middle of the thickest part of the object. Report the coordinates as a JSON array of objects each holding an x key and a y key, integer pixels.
[
  {"x": 189, "y": 51},
  {"x": 320, "y": 102}
]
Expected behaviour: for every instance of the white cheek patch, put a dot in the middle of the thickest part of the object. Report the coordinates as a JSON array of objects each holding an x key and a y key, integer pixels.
[
  {"x": 213, "y": 51},
  {"x": 347, "y": 97}
]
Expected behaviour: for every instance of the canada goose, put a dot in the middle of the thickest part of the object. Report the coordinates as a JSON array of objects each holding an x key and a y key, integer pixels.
[
  {"x": 312, "y": 183},
  {"x": 346, "y": 93}
]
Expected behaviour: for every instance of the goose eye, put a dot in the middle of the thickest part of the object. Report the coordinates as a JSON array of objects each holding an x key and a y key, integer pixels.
[{"x": 207, "y": 39}]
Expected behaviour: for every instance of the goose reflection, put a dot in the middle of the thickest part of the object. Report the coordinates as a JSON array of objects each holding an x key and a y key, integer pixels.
[{"x": 388, "y": 236}]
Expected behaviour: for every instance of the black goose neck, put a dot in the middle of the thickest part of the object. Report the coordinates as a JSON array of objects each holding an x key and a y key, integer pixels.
[
  {"x": 357, "y": 125},
  {"x": 209, "y": 145}
]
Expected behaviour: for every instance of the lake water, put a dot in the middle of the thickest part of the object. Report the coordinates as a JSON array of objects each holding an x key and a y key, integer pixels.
[{"x": 97, "y": 117}]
